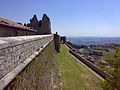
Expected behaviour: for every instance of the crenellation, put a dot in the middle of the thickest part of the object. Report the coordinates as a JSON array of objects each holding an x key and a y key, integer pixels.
[{"x": 42, "y": 26}]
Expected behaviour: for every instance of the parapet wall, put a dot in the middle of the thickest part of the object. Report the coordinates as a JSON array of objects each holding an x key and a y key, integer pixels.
[
  {"x": 91, "y": 65},
  {"x": 6, "y": 31},
  {"x": 17, "y": 52}
]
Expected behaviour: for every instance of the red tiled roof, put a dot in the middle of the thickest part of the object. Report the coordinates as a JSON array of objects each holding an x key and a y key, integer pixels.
[{"x": 8, "y": 23}]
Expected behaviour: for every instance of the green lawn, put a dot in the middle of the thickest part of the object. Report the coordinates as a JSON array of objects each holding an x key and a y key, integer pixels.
[{"x": 74, "y": 75}]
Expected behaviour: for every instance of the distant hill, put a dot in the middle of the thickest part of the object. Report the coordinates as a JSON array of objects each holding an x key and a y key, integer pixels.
[{"x": 94, "y": 40}]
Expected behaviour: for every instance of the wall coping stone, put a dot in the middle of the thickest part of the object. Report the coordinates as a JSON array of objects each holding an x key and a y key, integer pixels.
[{"x": 12, "y": 41}]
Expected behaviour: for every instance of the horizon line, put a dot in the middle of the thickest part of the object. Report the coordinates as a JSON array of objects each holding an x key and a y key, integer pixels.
[{"x": 96, "y": 36}]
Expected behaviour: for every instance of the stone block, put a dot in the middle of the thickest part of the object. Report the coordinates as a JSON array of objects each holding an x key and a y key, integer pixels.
[
  {"x": 1, "y": 74},
  {"x": 2, "y": 66},
  {"x": 10, "y": 49},
  {"x": 3, "y": 52},
  {"x": 1, "y": 61}
]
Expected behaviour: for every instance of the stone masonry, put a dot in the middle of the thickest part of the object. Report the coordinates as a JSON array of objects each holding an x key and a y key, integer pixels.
[
  {"x": 10, "y": 28},
  {"x": 14, "y": 50},
  {"x": 43, "y": 26},
  {"x": 42, "y": 73}
]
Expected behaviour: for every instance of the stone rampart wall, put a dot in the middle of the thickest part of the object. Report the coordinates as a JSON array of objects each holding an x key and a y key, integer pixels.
[
  {"x": 6, "y": 31},
  {"x": 16, "y": 53},
  {"x": 42, "y": 73},
  {"x": 91, "y": 65}
]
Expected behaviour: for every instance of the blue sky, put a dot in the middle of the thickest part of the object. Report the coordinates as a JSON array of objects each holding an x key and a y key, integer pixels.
[{"x": 69, "y": 17}]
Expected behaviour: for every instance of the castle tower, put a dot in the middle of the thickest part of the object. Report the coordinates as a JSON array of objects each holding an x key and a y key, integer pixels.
[
  {"x": 45, "y": 25},
  {"x": 34, "y": 23}
]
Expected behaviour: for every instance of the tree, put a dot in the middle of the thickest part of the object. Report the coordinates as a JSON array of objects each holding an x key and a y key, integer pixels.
[{"x": 113, "y": 83}]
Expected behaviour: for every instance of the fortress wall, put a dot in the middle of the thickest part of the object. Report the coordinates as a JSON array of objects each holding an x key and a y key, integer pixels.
[
  {"x": 17, "y": 52},
  {"x": 6, "y": 31},
  {"x": 91, "y": 65},
  {"x": 69, "y": 46},
  {"x": 42, "y": 73}
]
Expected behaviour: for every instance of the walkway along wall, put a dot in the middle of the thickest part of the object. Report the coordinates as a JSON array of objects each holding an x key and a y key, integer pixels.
[{"x": 17, "y": 52}]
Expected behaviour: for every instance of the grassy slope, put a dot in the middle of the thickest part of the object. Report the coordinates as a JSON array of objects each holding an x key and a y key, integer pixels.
[{"x": 75, "y": 76}]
